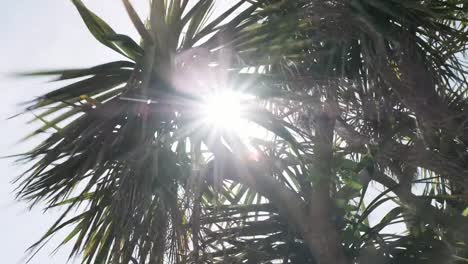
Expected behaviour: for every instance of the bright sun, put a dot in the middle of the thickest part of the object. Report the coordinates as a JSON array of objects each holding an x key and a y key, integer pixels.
[{"x": 223, "y": 110}]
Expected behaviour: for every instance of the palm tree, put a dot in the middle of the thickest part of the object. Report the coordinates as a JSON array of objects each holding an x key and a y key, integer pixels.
[{"x": 350, "y": 92}]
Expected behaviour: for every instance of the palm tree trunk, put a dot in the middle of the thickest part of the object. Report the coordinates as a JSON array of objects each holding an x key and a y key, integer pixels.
[
  {"x": 321, "y": 235},
  {"x": 320, "y": 232}
]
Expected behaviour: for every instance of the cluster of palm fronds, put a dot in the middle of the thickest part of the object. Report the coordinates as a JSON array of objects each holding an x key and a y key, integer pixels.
[{"x": 352, "y": 93}]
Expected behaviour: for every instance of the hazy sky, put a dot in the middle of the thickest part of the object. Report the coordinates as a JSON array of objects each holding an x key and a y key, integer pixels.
[{"x": 45, "y": 34}]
